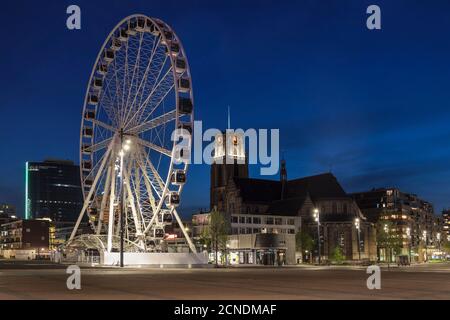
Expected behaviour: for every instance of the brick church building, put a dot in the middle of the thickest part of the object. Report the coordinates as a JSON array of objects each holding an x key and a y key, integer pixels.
[{"x": 235, "y": 194}]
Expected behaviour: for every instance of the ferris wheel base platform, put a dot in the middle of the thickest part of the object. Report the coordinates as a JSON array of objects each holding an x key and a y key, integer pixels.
[{"x": 155, "y": 259}]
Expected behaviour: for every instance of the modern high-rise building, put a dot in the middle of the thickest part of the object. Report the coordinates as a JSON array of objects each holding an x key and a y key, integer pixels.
[{"x": 53, "y": 190}]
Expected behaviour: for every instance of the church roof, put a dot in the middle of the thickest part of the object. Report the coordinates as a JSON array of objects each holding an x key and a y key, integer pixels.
[
  {"x": 319, "y": 186},
  {"x": 258, "y": 190},
  {"x": 287, "y": 207},
  {"x": 267, "y": 191}
]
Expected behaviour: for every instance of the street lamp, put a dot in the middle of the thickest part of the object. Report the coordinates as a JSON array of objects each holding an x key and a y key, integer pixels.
[
  {"x": 317, "y": 219},
  {"x": 358, "y": 228},
  {"x": 424, "y": 233},
  {"x": 408, "y": 235},
  {"x": 226, "y": 254},
  {"x": 388, "y": 251},
  {"x": 123, "y": 148}
]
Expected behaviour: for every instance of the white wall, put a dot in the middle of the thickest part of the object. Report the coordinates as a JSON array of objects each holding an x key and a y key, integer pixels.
[{"x": 137, "y": 258}]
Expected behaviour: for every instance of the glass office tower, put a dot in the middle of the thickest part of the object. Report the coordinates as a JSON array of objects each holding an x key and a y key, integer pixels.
[{"x": 53, "y": 190}]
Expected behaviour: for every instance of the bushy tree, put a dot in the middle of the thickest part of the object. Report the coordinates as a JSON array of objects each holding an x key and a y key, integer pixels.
[
  {"x": 388, "y": 238},
  {"x": 337, "y": 255},
  {"x": 304, "y": 241},
  {"x": 218, "y": 232}
]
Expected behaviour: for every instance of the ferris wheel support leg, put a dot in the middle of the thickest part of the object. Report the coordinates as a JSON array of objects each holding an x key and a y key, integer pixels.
[
  {"x": 188, "y": 239},
  {"x": 130, "y": 198},
  {"x": 111, "y": 209},
  {"x": 103, "y": 203},
  {"x": 152, "y": 200},
  {"x": 91, "y": 192}
]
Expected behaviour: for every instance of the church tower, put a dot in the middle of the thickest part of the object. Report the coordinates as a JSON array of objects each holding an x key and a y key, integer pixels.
[{"x": 229, "y": 162}]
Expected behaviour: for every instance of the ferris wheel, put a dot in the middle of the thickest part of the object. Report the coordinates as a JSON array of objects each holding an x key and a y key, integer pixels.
[{"x": 139, "y": 93}]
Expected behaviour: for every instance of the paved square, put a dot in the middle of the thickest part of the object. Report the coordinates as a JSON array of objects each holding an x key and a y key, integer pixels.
[{"x": 36, "y": 281}]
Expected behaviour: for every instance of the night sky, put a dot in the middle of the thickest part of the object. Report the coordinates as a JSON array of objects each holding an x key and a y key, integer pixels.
[{"x": 371, "y": 106}]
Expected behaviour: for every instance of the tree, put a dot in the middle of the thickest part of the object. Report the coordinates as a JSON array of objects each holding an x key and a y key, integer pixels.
[
  {"x": 446, "y": 246},
  {"x": 218, "y": 232},
  {"x": 337, "y": 255},
  {"x": 304, "y": 242},
  {"x": 205, "y": 238},
  {"x": 388, "y": 239}
]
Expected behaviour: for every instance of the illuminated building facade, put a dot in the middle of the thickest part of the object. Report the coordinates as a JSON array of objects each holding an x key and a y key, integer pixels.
[
  {"x": 446, "y": 224},
  {"x": 412, "y": 218},
  {"x": 265, "y": 215}
]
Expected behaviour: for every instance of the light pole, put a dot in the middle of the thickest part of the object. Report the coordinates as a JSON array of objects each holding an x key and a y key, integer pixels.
[
  {"x": 424, "y": 233},
  {"x": 317, "y": 219},
  {"x": 386, "y": 230},
  {"x": 358, "y": 229},
  {"x": 123, "y": 149},
  {"x": 408, "y": 234}
]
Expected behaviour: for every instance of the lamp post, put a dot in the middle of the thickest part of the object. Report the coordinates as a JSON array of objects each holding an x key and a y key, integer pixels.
[
  {"x": 424, "y": 233},
  {"x": 123, "y": 148},
  {"x": 226, "y": 253},
  {"x": 408, "y": 234},
  {"x": 386, "y": 230},
  {"x": 317, "y": 219},
  {"x": 358, "y": 229}
]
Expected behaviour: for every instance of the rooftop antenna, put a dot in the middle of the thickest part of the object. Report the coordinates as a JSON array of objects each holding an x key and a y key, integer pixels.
[{"x": 229, "y": 118}]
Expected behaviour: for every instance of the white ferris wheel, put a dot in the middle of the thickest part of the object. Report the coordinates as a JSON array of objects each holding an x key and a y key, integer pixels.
[{"x": 139, "y": 93}]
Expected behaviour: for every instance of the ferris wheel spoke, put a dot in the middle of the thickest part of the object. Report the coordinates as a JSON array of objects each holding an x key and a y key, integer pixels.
[
  {"x": 104, "y": 125},
  {"x": 107, "y": 104},
  {"x": 124, "y": 85},
  {"x": 156, "y": 79},
  {"x": 144, "y": 81},
  {"x": 95, "y": 169},
  {"x": 157, "y": 96},
  {"x": 153, "y": 175},
  {"x": 99, "y": 145},
  {"x": 162, "y": 119},
  {"x": 154, "y": 147},
  {"x": 166, "y": 83},
  {"x": 120, "y": 74},
  {"x": 137, "y": 66}
]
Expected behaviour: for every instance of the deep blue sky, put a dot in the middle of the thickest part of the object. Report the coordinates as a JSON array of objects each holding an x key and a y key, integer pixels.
[{"x": 374, "y": 106}]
